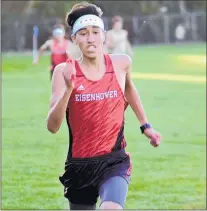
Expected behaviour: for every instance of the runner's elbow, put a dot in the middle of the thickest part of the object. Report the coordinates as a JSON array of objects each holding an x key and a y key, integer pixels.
[{"x": 52, "y": 127}]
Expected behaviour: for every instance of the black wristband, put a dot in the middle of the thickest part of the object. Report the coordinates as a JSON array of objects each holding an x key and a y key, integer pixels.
[{"x": 145, "y": 126}]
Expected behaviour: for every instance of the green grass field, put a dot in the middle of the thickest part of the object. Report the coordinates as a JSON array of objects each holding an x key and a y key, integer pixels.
[{"x": 172, "y": 176}]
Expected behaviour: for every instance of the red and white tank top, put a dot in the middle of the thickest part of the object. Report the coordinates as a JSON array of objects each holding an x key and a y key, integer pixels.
[
  {"x": 59, "y": 54},
  {"x": 95, "y": 114}
]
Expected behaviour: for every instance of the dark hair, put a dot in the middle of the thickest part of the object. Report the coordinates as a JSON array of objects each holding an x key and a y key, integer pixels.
[{"x": 80, "y": 9}]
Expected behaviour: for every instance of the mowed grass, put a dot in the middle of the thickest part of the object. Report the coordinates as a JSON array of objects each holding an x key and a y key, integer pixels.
[{"x": 172, "y": 176}]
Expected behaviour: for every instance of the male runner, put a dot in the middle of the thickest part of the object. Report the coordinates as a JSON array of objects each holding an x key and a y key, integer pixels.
[
  {"x": 58, "y": 45},
  {"x": 92, "y": 93},
  {"x": 117, "y": 38}
]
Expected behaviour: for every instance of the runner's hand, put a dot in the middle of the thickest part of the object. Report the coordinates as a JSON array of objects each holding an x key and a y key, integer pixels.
[
  {"x": 35, "y": 62},
  {"x": 154, "y": 136},
  {"x": 69, "y": 74}
]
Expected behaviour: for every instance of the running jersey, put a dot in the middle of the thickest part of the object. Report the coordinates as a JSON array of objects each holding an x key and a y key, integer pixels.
[
  {"x": 119, "y": 40},
  {"x": 95, "y": 114},
  {"x": 59, "y": 54}
]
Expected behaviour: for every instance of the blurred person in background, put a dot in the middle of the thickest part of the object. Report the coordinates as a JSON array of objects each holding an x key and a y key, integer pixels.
[
  {"x": 117, "y": 38},
  {"x": 91, "y": 93},
  {"x": 59, "y": 46}
]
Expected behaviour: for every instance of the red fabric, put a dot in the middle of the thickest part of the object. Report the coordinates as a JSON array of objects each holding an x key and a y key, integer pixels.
[
  {"x": 95, "y": 113},
  {"x": 59, "y": 54}
]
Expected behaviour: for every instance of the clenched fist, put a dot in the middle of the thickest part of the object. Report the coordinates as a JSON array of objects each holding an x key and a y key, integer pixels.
[
  {"x": 154, "y": 136},
  {"x": 69, "y": 73}
]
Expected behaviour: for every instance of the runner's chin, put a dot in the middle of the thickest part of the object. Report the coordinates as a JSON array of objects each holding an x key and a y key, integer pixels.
[{"x": 91, "y": 54}]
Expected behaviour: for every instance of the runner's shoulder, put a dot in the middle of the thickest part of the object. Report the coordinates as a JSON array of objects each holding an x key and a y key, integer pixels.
[
  {"x": 59, "y": 68},
  {"x": 124, "y": 31},
  {"x": 109, "y": 31},
  {"x": 121, "y": 58},
  {"x": 50, "y": 41}
]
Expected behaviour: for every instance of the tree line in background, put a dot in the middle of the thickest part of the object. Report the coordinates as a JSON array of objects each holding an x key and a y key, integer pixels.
[
  {"x": 13, "y": 9},
  {"x": 19, "y": 18}
]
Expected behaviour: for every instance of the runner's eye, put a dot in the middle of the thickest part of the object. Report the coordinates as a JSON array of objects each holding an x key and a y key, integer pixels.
[{"x": 82, "y": 33}]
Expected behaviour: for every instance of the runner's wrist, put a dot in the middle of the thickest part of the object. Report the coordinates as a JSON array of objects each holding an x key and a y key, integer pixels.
[
  {"x": 68, "y": 91},
  {"x": 145, "y": 126}
]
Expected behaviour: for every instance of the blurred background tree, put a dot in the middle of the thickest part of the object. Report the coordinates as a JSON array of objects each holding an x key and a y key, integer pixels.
[
  {"x": 110, "y": 8},
  {"x": 19, "y": 18}
]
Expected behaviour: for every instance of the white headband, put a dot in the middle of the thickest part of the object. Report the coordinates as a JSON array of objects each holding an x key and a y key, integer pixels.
[
  {"x": 87, "y": 20},
  {"x": 57, "y": 32}
]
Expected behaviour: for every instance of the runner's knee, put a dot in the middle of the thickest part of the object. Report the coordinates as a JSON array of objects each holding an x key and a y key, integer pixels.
[
  {"x": 106, "y": 205},
  {"x": 113, "y": 193}
]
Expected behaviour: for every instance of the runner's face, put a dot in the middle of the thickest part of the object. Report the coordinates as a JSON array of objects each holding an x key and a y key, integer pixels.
[
  {"x": 118, "y": 25},
  {"x": 90, "y": 41}
]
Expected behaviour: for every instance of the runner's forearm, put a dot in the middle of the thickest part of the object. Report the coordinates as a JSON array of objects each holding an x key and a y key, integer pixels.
[
  {"x": 40, "y": 52},
  {"x": 57, "y": 112},
  {"x": 134, "y": 101}
]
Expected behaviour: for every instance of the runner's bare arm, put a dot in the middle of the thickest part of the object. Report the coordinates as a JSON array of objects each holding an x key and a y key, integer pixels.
[
  {"x": 132, "y": 94},
  {"x": 129, "y": 50},
  {"x": 109, "y": 41},
  {"x": 59, "y": 100},
  {"x": 45, "y": 46}
]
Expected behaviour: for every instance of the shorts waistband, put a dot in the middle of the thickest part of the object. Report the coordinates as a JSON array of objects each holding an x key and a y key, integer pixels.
[{"x": 96, "y": 158}]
